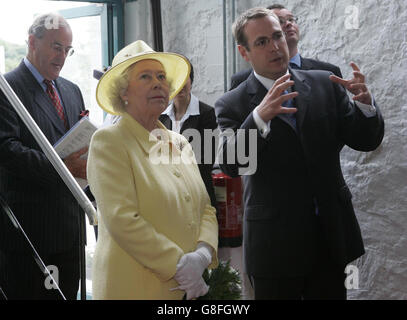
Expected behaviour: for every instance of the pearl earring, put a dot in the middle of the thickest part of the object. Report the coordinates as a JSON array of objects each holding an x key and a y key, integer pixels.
[{"x": 126, "y": 102}]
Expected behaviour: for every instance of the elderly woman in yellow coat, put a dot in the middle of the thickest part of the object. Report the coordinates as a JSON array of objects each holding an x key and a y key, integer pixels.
[{"x": 157, "y": 229}]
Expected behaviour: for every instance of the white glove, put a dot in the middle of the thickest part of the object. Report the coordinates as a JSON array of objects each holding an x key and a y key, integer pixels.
[
  {"x": 192, "y": 265},
  {"x": 190, "y": 269},
  {"x": 194, "y": 290},
  {"x": 199, "y": 288}
]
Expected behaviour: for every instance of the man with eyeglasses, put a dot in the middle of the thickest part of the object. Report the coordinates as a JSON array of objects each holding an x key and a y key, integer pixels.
[
  {"x": 292, "y": 34},
  {"x": 300, "y": 229},
  {"x": 30, "y": 185}
]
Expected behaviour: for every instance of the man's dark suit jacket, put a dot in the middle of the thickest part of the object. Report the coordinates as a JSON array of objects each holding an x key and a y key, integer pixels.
[
  {"x": 30, "y": 185},
  {"x": 205, "y": 120},
  {"x": 283, "y": 235},
  {"x": 306, "y": 64}
]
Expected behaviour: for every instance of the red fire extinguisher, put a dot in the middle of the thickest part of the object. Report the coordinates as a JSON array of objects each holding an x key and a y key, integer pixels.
[{"x": 228, "y": 193}]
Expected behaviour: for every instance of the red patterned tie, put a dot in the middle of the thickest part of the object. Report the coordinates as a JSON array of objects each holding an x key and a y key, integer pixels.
[{"x": 55, "y": 101}]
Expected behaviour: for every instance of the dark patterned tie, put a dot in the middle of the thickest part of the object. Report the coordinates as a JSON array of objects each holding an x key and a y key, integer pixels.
[
  {"x": 290, "y": 116},
  {"x": 52, "y": 93}
]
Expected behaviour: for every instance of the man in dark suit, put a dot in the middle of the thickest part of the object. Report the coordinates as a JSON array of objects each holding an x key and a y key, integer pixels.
[
  {"x": 29, "y": 184},
  {"x": 291, "y": 30},
  {"x": 300, "y": 229}
]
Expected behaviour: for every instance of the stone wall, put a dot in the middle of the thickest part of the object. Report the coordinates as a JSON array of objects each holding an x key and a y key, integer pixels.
[
  {"x": 371, "y": 33},
  {"x": 194, "y": 28}
]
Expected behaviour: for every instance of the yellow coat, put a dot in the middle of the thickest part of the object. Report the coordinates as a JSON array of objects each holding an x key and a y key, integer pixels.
[{"x": 149, "y": 214}]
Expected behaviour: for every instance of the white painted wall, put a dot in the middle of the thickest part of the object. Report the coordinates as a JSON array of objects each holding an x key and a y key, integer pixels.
[{"x": 2, "y": 60}]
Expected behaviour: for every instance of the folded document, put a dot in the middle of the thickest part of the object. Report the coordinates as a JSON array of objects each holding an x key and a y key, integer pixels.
[{"x": 75, "y": 139}]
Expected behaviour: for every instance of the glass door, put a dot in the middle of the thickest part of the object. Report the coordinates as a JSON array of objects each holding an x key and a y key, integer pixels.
[{"x": 86, "y": 58}]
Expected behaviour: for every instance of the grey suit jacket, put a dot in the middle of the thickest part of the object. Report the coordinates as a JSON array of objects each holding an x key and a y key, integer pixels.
[
  {"x": 298, "y": 171},
  {"x": 28, "y": 182}
]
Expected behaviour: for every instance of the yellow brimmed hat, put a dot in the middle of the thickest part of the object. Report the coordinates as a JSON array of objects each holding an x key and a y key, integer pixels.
[{"x": 176, "y": 66}]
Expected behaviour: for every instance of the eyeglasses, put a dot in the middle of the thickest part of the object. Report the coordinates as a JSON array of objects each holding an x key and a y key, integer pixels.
[
  {"x": 68, "y": 51},
  {"x": 263, "y": 42},
  {"x": 289, "y": 19}
]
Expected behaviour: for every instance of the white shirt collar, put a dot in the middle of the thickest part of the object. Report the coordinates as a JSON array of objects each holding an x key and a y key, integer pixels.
[
  {"x": 266, "y": 82},
  {"x": 192, "y": 110}
]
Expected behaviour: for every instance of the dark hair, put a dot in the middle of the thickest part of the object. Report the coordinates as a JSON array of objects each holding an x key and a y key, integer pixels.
[
  {"x": 276, "y": 6},
  {"x": 191, "y": 74},
  {"x": 241, "y": 22}
]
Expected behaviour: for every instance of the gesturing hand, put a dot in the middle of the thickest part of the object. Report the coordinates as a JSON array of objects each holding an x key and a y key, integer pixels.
[
  {"x": 271, "y": 106},
  {"x": 356, "y": 85},
  {"x": 75, "y": 164}
]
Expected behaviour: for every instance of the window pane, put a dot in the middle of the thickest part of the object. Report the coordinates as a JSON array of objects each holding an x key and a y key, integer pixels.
[
  {"x": 86, "y": 41},
  {"x": 87, "y": 57}
]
